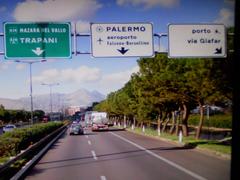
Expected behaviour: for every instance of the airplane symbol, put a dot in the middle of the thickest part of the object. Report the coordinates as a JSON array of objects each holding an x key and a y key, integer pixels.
[{"x": 100, "y": 41}]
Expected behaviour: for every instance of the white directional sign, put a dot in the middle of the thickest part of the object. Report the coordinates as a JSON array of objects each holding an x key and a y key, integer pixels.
[
  {"x": 122, "y": 40},
  {"x": 196, "y": 40}
]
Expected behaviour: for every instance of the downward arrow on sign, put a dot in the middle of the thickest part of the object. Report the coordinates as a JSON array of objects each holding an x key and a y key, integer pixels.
[
  {"x": 38, "y": 51},
  {"x": 123, "y": 50}
]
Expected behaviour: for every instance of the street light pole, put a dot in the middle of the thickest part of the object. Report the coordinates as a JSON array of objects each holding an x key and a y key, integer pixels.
[
  {"x": 50, "y": 86},
  {"x": 30, "y": 68},
  {"x": 30, "y": 74}
]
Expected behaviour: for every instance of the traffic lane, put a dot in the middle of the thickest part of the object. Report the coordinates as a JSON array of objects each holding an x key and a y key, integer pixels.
[
  {"x": 69, "y": 158},
  {"x": 200, "y": 163},
  {"x": 72, "y": 158},
  {"x": 121, "y": 160}
]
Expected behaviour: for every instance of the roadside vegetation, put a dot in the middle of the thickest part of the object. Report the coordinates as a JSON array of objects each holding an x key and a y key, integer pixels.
[
  {"x": 12, "y": 143},
  {"x": 16, "y": 116},
  {"x": 164, "y": 92},
  {"x": 214, "y": 121},
  {"x": 214, "y": 146}
]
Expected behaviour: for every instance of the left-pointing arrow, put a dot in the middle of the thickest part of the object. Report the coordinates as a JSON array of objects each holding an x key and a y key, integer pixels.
[{"x": 38, "y": 51}]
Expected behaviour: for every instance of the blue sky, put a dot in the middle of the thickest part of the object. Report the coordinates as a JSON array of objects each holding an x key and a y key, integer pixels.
[{"x": 83, "y": 71}]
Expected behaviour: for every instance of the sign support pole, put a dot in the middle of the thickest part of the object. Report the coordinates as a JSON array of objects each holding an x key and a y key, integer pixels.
[
  {"x": 160, "y": 35},
  {"x": 1, "y": 35},
  {"x": 30, "y": 69},
  {"x": 82, "y": 35},
  {"x": 75, "y": 39}
]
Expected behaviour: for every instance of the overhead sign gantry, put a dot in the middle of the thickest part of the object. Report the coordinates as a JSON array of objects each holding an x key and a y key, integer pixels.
[{"x": 53, "y": 40}]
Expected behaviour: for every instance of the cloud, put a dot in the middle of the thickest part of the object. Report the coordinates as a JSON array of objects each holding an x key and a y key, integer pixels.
[
  {"x": 89, "y": 77},
  {"x": 115, "y": 81},
  {"x": 82, "y": 27},
  {"x": 226, "y": 16},
  {"x": 3, "y": 66},
  {"x": 148, "y": 3},
  {"x": 82, "y": 74},
  {"x": 55, "y": 10},
  {"x": 20, "y": 66}
]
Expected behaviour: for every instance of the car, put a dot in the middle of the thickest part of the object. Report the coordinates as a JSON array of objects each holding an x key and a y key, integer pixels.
[
  {"x": 76, "y": 129},
  {"x": 8, "y": 128},
  {"x": 96, "y": 127}
]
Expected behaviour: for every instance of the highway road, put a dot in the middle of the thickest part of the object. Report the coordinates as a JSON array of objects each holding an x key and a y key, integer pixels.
[{"x": 121, "y": 155}]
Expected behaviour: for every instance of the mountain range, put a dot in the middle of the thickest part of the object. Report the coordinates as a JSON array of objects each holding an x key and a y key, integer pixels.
[{"x": 81, "y": 97}]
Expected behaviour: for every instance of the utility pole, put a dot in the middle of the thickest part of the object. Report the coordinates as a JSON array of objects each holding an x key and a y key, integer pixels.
[
  {"x": 30, "y": 77},
  {"x": 50, "y": 85}
]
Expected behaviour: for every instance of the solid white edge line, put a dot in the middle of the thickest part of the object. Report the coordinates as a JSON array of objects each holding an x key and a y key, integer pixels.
[
  {"x": 94, "y": 155},
  {"x": 103, "y": 178},
  {"x": 89, "y": 142},
  {"x": 162, "y": 158}
]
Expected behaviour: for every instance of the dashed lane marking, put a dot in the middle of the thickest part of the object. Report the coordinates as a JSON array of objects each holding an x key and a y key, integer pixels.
[
  {"x": 89, "y": 142},
  {"x": 103, "y": 178},
  {"x": 94, "y": 155}
]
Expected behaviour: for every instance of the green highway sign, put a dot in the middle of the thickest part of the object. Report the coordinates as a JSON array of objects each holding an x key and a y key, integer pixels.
[{"x": 37, "y": 40}]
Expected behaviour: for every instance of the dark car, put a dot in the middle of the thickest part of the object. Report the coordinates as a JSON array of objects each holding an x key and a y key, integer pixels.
[{"x": 76, "y": 129}]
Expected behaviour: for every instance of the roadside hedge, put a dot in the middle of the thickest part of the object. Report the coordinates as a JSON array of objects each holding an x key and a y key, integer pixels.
[
  {"x": 11, "y": 143},
  {"x": 218, "y": 121}
]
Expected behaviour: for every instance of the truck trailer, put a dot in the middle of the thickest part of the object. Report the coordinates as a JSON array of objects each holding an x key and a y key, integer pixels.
[{"x": 99, "y": 121}]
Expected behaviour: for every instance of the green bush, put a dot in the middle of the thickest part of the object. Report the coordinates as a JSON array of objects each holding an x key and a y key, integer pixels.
[
  {"x": 11, "y": 143},
  {"x": 218, "y": 121}
]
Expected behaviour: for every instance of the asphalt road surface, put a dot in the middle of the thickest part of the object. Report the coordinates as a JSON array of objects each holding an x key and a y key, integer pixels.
[{"x": 121, "y": 155}]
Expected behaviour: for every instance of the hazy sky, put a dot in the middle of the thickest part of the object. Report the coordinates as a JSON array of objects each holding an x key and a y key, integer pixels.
[{"x": 83, "y": 71}]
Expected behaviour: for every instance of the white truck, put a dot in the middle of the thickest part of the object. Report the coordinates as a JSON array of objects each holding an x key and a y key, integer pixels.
[{"x": 99, "y": 121}]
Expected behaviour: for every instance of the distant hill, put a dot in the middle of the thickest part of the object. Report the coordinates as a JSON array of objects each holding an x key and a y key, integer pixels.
[{"x": 81, "y": 97}]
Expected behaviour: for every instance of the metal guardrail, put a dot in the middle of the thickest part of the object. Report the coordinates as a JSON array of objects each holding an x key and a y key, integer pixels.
[{"x": 57, "y": 132}]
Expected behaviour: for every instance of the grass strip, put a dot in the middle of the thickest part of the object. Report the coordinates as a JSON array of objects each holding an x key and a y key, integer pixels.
[{"x": 214, "y": 146}]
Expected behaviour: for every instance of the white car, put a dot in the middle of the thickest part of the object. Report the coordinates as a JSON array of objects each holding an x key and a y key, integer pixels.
[{"x": 9, "y": 128}]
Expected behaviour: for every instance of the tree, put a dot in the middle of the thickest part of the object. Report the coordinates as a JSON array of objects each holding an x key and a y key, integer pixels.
[{"x": 39, "y": 114}]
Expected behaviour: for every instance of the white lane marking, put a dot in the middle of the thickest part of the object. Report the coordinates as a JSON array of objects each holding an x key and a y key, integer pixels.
[
  {"x": 89, "y": 142},
  {"x": 94, "y": 155},
  {"x": 86, "y": 136},
  {"x": 162, "y": 158},
  {"x": 103, "y": 178}
]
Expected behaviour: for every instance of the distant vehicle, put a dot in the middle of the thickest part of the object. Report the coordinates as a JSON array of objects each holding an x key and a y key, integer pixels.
[
  {"x": 208, "y": 109},
  {"x": 88, "y": 118},
  {"x": 8, "y": 128},
  {"x": 76, "y": 129},
  {"x": 99, "y": 121},
  {"x": 45, "y": 119}
]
